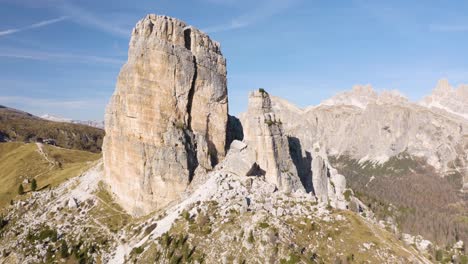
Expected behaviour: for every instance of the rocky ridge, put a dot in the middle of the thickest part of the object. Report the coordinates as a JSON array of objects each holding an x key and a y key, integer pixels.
[{"x": 371, "y": 127}]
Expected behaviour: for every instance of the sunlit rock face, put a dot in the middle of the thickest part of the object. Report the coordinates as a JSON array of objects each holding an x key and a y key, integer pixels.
[
  {"x": 264, "y": 134},
  {"x": 369, "y": 126},
  {"x": 167, "y": 118}
]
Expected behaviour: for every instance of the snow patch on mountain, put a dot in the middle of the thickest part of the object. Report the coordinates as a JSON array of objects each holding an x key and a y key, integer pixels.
[{"x": 55, "y": 118}]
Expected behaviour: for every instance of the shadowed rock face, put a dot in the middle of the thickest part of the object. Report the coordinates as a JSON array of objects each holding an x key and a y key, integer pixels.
[{"x": 167, "y": 118}]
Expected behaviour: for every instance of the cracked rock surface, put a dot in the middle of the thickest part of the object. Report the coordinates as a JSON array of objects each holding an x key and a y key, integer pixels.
[{"x": 168, "y": 115}]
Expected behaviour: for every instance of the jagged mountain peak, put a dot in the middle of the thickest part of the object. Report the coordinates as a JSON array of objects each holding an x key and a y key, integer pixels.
[
  {"x": 362, "y": 95},
  {"x": 443, "y": 87},
  {"x": 445, "y": 97}
]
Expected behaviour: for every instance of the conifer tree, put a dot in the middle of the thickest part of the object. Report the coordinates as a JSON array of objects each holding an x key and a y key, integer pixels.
[
  {"x": 33, "y": 185},
  {"x": 21, "y": 189}
]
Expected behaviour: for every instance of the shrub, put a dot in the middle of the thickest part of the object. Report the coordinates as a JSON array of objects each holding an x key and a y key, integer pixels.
[
  {"x": 64, "y": 249},
  {"x": 138, "y": 250},
  {"x": 269, "y": 122},
  {"x": 292, "y": 259},
  {"x": 166, "y": 240},
  {"x": 180, "y": 125},
  {"x": 21, "y": 189},
  {"x": 49, "y": 254},
  {"x": 3, "y": 223},
  {"x": 251, "y": 237},
  {"x": 33, "y": 185},
  {"x": 439, "y": 255},
  {"x": 186, "y": 215},
  {"x": 347, "y": 195},
  {"x": 262, "y": 91},
  {"x": 48, "y": 233}
]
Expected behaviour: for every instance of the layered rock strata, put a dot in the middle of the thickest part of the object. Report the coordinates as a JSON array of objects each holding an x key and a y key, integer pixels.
[{"x": 167, "y": 118}]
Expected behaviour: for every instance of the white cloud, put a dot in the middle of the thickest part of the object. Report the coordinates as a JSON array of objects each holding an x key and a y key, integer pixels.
[
  {"x": 32, "y": 26},
  {"x": 265, "y": 10}
]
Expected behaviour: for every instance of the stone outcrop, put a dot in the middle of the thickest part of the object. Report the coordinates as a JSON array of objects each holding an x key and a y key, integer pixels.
[
  {"x": 264, "y": 135},
  {"x": 320, "y": 178},
  {"x": 167, "y": 118},
  {"x": 328, "y": 185}
]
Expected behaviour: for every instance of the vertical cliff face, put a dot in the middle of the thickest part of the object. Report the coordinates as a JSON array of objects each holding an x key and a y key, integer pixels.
[
  {"x": 168, "y": 115},
  {"x": 320, "y": 178},
  {"x": 264, "y": 134}
]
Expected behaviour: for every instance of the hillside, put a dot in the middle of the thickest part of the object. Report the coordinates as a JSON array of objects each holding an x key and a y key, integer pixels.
[
  {"x": 19, "y": 126},
  {"x": 405, "y": 161},
  {"x": 228, "y": 219},
  {"x": 49, "y": 165}
]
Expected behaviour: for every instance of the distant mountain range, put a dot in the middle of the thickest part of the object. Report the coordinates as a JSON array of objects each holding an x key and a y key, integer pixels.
[
  {"x": 443, "y": 97},
  {"x": 93, "y": 123}
]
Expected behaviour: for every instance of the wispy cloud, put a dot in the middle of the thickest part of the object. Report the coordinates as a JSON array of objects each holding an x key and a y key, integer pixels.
[
  {"x": 86, "y": 18},
  {"x": 448, "y": 28},
  {"x": 33, "y": 26},
  {"x": 52, "y": 56},
  {"x": 265, "y": 10}
]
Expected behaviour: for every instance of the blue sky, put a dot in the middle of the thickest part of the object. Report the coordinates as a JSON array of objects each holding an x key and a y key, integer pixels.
[{"x": 62, "y": 57}]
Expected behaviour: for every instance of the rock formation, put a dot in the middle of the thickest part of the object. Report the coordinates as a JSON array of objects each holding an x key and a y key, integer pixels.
[
  {"x": 263, "y": 133},
  {"x": 379, "y": 128},
  {"x": 167, "y": 118},
  {"x": 320, "y": 178}
]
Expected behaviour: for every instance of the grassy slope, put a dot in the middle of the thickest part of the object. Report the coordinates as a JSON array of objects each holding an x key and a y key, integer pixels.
[
  {"x": 20, "y": 126},
  {"x": 295, "y": 240},
  {"x": 20, "y": 161}
]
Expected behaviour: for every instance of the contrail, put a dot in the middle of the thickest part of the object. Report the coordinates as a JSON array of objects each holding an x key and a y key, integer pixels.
[{"x": 32, "y": 26}]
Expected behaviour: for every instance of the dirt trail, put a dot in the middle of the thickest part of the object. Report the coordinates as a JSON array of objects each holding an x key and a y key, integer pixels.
[
  {"x": 40, "y": 150},
  {"x": 43, "y": 154}
]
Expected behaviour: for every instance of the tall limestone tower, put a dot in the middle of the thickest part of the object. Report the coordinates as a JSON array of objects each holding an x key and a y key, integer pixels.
[{"x": 167, "y": 118}]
